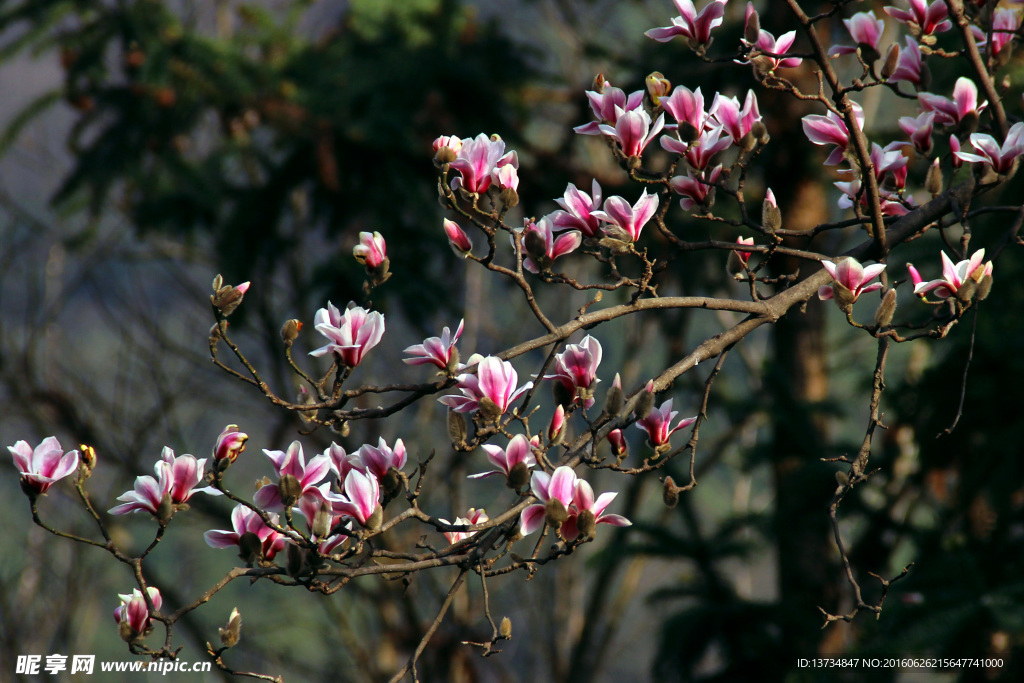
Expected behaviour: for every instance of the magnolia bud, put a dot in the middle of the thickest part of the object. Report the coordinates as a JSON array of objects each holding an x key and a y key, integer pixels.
[
  {"x": 933, "y": 179},
  {"x": 843, "y": 296},
  {"x": 290, "y": 489},
  {"x": 457, "y": 239},
  {"x": 505, "y": 629},
  {"x": 518, "y": 476},
  {"x": 216, "y": 333},
  {"x": 892, "y": 58},
  {"x": 554, "y": 512},
  {"x": 645, "y": 402},
  {"x": 124, "y": 629},
  {"x": 536, "y": 248},
  {"x": 444, "y": 155},
  {"x": 322, "y": 520},
  {"x": 228, "y": 298},
  {"x": 587, "y": 524},
  {"x": 771, "y": 216},
  {"x": 165, "y": 510},
  {"x": 457, "y": 429},
  {"x": 250, "y": 547},
  {"x": 967, "y": 290},
  {"x": 633, "y": 162},
  {"x": 375, "y": 520},
  {"x": 968, "y": 123},
  {"x": 295, "y": 561},
  {"x": 598, "y": 85},
  {"x": 886, "y": 309},
  {"x": 290, "y": 331},
  {"x": 657, "y": 87},
  {"x": 752, "y": 29},
  {"x": 230, "y": 634},
  {"x": 489, "y": 410},
  {"x": 670, "y": 493},
  {"x": 614, "y": 400},
  {"x": 391, "y": 482},
  {"x": 688, "y": 132},
  {"x": 88, "y": 457},
  {"x": 620, "y": 449},
  {"x": 509, "y": 197},
  {"x": 984, "y": 287},
  {"x": 842, "y": 479},
  {"x": 734, "y": 265},
  {"x": 556, "y": 430}
]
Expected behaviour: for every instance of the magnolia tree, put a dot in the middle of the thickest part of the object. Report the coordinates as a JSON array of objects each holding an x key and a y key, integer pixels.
[{"x": 323, "y": 521}]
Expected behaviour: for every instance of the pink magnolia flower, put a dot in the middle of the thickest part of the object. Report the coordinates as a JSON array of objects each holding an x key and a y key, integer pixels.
[
  {"x": 853, "y": 276},
  {"x": 505, "y": 176},
  {"x": 293, "y": 462},
  {"x": 625, "y": 222},
  {"x": 919, "y": 130},
  {"x": 557, "y": 425},
  {"x": 915, "y": 277},
  {"x": 371, "y": 250},
  {"x": 577, "y": 210},
  {"x": 909, "y": 67},
  {"x": 478, "y": 158},
  {"x": 246, "y": 521},
  {"x": 583, "y": 502},
  {"x": 576, "y": 369},
  {"x": 542, "y": 247},
  {"x": 495, "y": 382},
  {"x": 952, "y": 112},
  {"x": 43, "y": 465},
  {"x": 341, "y": 461},
  {"x": 865, "y": 28},
  {"x": 473, "y": 516},
  {"x": 607, "y": 105},
  {"x": 560, "y": 485},
  {"x": 518, "y": 451},
  {"x": 831, "y": 130},
  {"x": 766, "y": 42},
  {"x": 701, "y": 151},
  {"x": 379, "y": 459},
  {"x": 229, "y": 444},
  {"x": 954, "y": 276},
  {"x": 633, "y": 130},
  {"x": 852, "y": 193},
  {"x": 954, "y": 147},
  {"x": 696, "y": 190},
  {"x": 132, "y": 615},
  {"x": 617, "y": 440},
  {"x": 657, "y": 425},
  {"x": 999, "y": 158},
  {"x": 1005, "y": 23},
  {"x": 361, "y": 498},
  {"x": 176, "y": 479},
  {"x": 923, "y": 18},
  {"x": 737, "y": 121},
  {"x": 439, "y": 351},
  {"x": 457, "y": 238},
  {"x": 687, "y": 106},
  {"x": 696, "y": 28},
  {"x": 351, "y": 333},
  {"x": 744, "y": 256}
]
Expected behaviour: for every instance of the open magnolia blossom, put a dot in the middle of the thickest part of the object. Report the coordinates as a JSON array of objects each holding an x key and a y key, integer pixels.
[
  {"x": 439, "y": 351},
  {"x": 923, "y": 19},
  {"x": 831, "y": 130},
  {"x": 351, "y": 333},
  {"x": 253, "y": 537},
  {"x": 865, "y": 29},
  {"x": 633, "y": 130},
  {"x": 568, "y": 503},
  {"x": 576, "y": 371},
  {"x": 492, "y": 387},
  {"x": 361, "y": 498},
  {"x": 175, "y": 482},
  {"x": 296, "y": 478},
  {"x": 658, "y": 425},
  {"x": 478, "y": 162},
  {"x": 132, "y": 615},
  {"x": 625, "y": 222},
  {"x": 381, "y": 458},
  {"x": 518, "y": 454},
  {"x": 542, "y": 247},
  {"x": 577, "y": 212},
  {"x": 954, "y": 276},
  {"x": 473, "y": 516},
  {"x": 850, "y": 280},
  {"x": 607, "y": 105},
  {"x": 43, "y": 465},
  {"x": 1000, "y": 158},
  {"x": 696, "y": 28},
  {"x": 767, "y": 43},
  {"x": 950, "y": 112}
]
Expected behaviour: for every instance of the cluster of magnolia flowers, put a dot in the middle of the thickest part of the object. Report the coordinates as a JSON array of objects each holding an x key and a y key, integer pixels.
[{"x": 965, "y": 281}]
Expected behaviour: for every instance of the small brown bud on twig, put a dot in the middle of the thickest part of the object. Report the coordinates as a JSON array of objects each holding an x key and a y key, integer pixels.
[
  {"x": 933, "y": 179},
  {"x": 230, "y": 634},
  {"x": 670, "y": 493},
  {"x": 892, "y": 58},
  {"x": 505, "y": 629},
  {"x": 886, "y": 309},
  {"x": 457, "y": 429}
]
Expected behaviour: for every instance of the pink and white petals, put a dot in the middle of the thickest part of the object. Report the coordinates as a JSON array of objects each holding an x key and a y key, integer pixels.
[
  {"x": 923, "y": 19},
  {"x": 633, "y": 130},
  {"x": 351, "y": 333},
  {"x": 696, "y": 28},
  {"x": 505, "y": 459},
  {"x": 292, "y": 463},
  {"x": 371, "y": 250},
  {"x": 955, "y": 276},
  {"x": 245, "y": 521},
  {"x": 361, "y": 498},
  {"x": 478, "y": 159},
  {"x": 42, "y": 466},
  {"x": 1000, "y": 158},
  {"x": 951, "y": 112},
  {"x": 850, "y": 280},
  {"x": 186, "y": 473},
  {"x": 148, "y": 495},
  {"x": 438, "y": 351},
  {"x": 607, "y": 105},
  {"x": 229, "y": 444},
  {"x": 473, "y": 516},
  {"x": 625, "y": 222},
  {"x": 865, "y": 29},
  {"x": 494, "y": 385},
  {"x": 542, "y": 247},
  {"x": 576, "y": 370},
  {"x": 658, "y": 426},
  {"x": 577, "y": 210},
  {"x": 458, "y": 239},
  {"x": 132, "y": 615}
]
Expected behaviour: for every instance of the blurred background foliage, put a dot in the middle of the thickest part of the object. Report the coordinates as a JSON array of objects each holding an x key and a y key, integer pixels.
[{"x": 173, "y": 139}]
